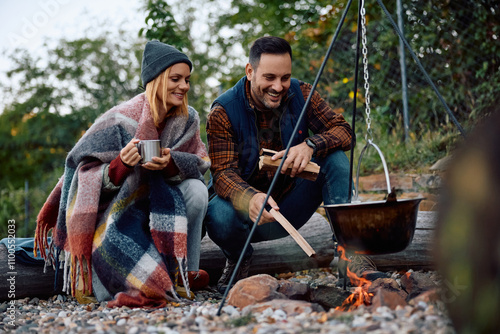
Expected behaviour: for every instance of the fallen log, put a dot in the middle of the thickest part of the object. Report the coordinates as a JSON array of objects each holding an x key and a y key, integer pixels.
[
  {"x": 419, "y": 255},
  {"x": 270, "y": 257},
  {"x": 285, "y": 255}
]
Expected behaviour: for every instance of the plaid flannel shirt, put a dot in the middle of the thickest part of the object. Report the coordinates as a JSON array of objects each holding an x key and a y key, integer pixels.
[{"x": 331, "y": 132}]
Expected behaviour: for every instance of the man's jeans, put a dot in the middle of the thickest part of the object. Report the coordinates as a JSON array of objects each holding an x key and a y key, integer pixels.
[{"x": 229, "y": 229}]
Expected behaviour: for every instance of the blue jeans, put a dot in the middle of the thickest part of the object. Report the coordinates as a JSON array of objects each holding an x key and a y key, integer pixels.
[{"x": 229, "y": 229}]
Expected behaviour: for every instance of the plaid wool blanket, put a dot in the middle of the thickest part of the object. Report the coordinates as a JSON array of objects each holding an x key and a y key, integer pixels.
[{"x": 126, "y": 244}]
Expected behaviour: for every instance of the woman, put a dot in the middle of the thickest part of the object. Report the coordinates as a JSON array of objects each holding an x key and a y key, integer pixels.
[{"x": 138, "y": 225}]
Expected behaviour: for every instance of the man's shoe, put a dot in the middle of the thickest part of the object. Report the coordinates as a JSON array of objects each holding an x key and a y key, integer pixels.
[
  {"x": 228, "y": 270},
  {"x": 361, "y": 266}
]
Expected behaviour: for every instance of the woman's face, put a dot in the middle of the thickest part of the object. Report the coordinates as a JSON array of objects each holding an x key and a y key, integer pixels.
[{"x": 177, "y": 85}]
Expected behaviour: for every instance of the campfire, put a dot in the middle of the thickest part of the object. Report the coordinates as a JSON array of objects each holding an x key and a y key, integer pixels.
[
  {"x": 360, "y": 295},
  {"x": 259, "y": 292}
]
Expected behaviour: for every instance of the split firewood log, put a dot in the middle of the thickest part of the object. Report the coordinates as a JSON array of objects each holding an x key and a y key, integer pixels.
[{"x": 266, "y": 163}]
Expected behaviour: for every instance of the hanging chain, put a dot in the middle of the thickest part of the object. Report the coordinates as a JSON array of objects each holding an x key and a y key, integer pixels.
[{"x": 364, "y": 50}]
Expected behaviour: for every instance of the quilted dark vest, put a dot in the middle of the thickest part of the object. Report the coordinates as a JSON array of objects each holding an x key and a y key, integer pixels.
[{"x": 243, "y": 120}]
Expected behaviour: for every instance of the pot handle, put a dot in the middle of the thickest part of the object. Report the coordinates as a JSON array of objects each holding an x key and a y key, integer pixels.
[{"x": 371, "y": 143}]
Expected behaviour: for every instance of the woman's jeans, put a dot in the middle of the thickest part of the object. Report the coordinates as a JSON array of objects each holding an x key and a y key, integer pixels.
[
  {"x": 195, "y": 196},
  {"x": 229, "y": 229}
]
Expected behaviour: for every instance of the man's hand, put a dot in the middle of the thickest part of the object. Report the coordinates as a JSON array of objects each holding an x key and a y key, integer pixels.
[
  {"x": 256, "y": 204},
  {"x": 298, "y": 158}
]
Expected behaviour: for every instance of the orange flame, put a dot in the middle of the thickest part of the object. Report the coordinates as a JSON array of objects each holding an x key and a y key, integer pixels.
[{"x": 359, "y": 296}]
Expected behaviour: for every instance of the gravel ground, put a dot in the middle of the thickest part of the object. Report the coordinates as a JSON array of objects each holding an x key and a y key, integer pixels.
[{"x": 62, "y": 314}]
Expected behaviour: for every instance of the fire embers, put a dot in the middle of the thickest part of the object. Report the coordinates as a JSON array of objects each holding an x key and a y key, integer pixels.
[{"x": 360, "y": 296}]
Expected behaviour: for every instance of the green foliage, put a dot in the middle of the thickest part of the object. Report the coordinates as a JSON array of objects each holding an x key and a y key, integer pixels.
[
  {"x": 13, "y": 204},
  {"x": 52, "y": 103},
  {"x": 49, "y": 104},
  {"x": 32, "y": 144},
  {"x": 162, "y": 26},
  {"x": 414, "y": 156},
  {"x": 457, "y": 42},
  {"x": 11, "y": 208}
]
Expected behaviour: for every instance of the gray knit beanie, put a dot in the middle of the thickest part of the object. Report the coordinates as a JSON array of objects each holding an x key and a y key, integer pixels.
[{"x": 157, "y": 57}]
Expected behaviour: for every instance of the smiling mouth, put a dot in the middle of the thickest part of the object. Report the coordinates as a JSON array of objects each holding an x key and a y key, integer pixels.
[
  {"x": 273, "y": 94},
  {"x": 179, "y": 96}
]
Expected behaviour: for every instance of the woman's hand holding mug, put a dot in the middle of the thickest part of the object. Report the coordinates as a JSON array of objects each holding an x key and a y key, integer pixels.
[
  {"x": 130, "y": 154},
  {"x": 159, "y": 163}
]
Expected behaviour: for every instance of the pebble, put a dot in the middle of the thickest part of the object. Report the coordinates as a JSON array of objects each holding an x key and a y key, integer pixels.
[
  {"x": 63, "y": 314},
  {"x": 121, "y": 322}
]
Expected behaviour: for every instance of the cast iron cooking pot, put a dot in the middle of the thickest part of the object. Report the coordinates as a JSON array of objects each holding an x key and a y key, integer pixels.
[
  {"x": 372, "y": 228},
  {"x": 377, "y": 227}
]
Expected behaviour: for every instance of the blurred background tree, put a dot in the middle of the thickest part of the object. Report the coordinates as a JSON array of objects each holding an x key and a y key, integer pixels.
[
  {"x": 50, "y": 102},
  {"x": 57, "y": 99},
  {"x": 53, "y": 101}
]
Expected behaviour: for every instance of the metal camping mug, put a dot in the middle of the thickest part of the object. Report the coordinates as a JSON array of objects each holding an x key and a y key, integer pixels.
[{"x": 148, "y": 149}]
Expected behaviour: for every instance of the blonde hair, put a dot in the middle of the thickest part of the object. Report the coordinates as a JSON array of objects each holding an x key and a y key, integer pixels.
[{"x": 155, "y": 102}]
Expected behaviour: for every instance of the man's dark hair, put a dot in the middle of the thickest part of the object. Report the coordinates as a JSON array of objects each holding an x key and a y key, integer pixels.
[{"x": 269, "y": 45}]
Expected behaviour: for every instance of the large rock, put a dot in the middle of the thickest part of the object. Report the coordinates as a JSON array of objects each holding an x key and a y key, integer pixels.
[
  {"x": 415, "y": 283},
  {"x": 389, "y": 298},
  {"x": 387, "y": 284},
  {"x": 253, "y": 290},
  {"x": 294, "y": 290}
]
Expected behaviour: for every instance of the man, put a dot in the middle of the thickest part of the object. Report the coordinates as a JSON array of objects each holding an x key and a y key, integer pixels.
[{"x": 261, "y": 111}]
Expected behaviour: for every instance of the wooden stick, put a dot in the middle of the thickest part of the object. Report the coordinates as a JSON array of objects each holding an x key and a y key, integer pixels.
[{"x": 293, "y": 232}]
